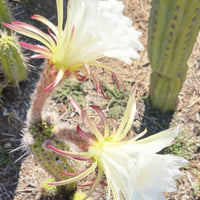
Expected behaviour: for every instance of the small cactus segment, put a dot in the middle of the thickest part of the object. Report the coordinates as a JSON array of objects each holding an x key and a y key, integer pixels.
[
  {"x": 78, "y": 196},
  {"x": 53, "y": 163},
  {"x": 12, "y": 59},
  {"x": 173, "y": 28},
  {"x": 49, "y": 190},
  {"x": 5, "y": 14}
]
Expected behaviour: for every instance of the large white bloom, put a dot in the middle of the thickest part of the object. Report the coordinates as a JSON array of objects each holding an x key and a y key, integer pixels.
[
  {"x": 133, "y": 169},
  {"x": 100, "y": 29},
  {"x": 93, "y": 29}
]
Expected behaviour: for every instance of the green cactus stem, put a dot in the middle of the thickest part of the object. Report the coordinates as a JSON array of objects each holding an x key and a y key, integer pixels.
[
  {"x": 49, "y": 190},
  {"x": 41, "y": 133},
  {"x": 173, "y": 28},
  {"x": 168, "y": 86},
  {"x": 12, "y": 59},
  {"x": 5, "y": 14},
  {"x": 78, "y": 196},
  {"x": 52, "y": 162}
]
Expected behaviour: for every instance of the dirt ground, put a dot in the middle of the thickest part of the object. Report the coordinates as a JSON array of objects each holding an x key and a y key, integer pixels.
[{"x": 21, "y": 175}]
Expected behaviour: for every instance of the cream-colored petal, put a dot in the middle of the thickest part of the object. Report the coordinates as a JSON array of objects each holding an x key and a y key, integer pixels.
[
  {"x": 128, "y": 117},
  {"x": 154, "y": 143}
]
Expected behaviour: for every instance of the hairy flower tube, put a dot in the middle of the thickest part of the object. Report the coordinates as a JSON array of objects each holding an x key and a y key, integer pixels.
[
  {"x": 93, "y": 29},
  {"x": 133, "y": 169}
]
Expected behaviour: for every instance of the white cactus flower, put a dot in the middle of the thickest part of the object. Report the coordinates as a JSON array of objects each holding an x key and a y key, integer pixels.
[
  {"x": 132, "y": 166},
  {"x": 93, "y": 29}
]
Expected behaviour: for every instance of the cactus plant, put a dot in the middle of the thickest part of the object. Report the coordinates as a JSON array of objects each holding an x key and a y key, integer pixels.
[
  {"x": 55, "y": 164},
  {"x": 49, "y": 190},
  {"x": 11, "y": 58},
  {"x": 5, "y": 14},
  {"x": 173, "y": 28},
  {"x": 78, "y": 195}
]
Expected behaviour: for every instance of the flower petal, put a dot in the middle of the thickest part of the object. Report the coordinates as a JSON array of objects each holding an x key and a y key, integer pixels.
[
  {"x": 117, "y": 166},
  {"x": 28, "y": 34},
  {"x": 156, "y": 142},
  {"x": 76, "y": 178},
  {"x": 35, "y": 30},
  {"x": 57, "y": 80},
  {"x": 46, "y": 22},
  {"x": 120, "y": 38},
  {"x": 59, "y": 4},
  {"x": 128, "y": 117},
  {"x": 87, "y": 120},
  {"x": 39, "y": 56},
  {"x": 59, "y": 77},
  {"x": 157, "y": 174},
  {"x": 103, "y": 118},
  {"x": 95, "y": 184},
  {"x": 36, "y": 48},
  {"x": 75, "y": 155},
  {"x": 138, "y": 174},
  {"x": 72, "y": 174},
  {"x": 85, "y": 136},
  {"x": 98, "y": 85}
]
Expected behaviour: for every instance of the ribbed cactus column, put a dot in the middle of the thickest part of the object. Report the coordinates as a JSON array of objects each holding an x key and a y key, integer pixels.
[
  {"x": 11, "y": 58},
  {"x": 173, "y": 28}
]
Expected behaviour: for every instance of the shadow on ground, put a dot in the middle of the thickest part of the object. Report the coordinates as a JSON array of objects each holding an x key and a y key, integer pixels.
[
  {"x": 153, "y": 120},
  {"x": 13, "y": 107}
]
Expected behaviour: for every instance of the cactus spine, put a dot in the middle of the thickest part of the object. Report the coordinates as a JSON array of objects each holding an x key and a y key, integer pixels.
[
  {"x": 173, "y": 28},
  {"x": 12, "y": 59}
]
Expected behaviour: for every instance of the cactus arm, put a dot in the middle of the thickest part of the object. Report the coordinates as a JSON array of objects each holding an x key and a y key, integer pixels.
[
  {"x": 170, "y": 87},
  {"x": 12, "y": 59},
  {"x": 42, "y": 134},
  {"x": 174, "y": 22},
  {"x": 5, "y": 15},
  {"x": 54, "y": 163},
  {"x": 157, "y": 28},
  {"x": 20, "y": 67},
  {"x": 173, "y": 28},
  {"x": 4, "y": 62}
]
